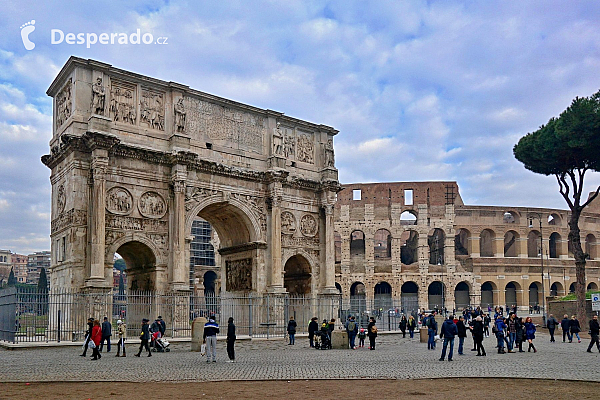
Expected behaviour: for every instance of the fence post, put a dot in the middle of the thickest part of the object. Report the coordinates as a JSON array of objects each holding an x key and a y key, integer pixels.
[
  {"x": 250, "y": 318},
  {"x": 58, "y": 327}
]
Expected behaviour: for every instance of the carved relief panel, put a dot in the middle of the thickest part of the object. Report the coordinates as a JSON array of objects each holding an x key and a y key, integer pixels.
[
  {"x": 308, "y": 225},
  {"x": 152, "y": 109},
  {"x": 119, "y": 201},
  {"x": 288, "y": 222},
  {"x": 61, "y": 199},
  {"x": 239, "y": 275},
  {"x": 289, "y": 143},
  {"x": 229, "y": 126},
  {"x": 305, "y": 150},
  {"x": 152, "y": 205},
  {"x": 123, "y": 102},
  {"x": 64, "y": 103}
]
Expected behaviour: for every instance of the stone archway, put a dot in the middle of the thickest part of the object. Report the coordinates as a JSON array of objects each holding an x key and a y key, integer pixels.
[
  {"x": 140, "y": 264},
  {"x": 150, "y": 155},
  {"x": 297, "y": 275}
]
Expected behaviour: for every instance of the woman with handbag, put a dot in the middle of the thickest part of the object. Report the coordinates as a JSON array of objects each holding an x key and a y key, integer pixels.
[
  {"x": 411, "y": 325},
  {"x": 372, "y": 333},
  {"x": 96, "y": 339},
  {"x": 402, "y": 325}
]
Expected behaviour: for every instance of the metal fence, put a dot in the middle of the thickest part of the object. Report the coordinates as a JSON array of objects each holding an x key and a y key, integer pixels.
[{"x": 30, "y": 315}]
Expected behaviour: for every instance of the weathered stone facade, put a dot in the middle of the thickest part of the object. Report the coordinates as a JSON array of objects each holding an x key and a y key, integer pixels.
[
  {"x": 480, "y": 254},
  {"x": 135, "y": 159}
]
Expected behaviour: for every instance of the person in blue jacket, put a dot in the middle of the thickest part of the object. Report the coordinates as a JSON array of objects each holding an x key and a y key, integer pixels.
[
  {"x": 500, "y": 327},
  {"x": 448, "y": 331},
  {"x": 530, "y": 333}
]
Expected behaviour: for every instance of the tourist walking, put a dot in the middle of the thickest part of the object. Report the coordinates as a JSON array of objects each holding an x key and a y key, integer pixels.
[
  {"x": 291, "y": 330},
  {"x": 313, "y": 326},
  {"x": 575, "y": 328},
  {"x": 96, "y": 338},
  {"x": 106, "y": 334},
  {"x": 211, "y": 328},
  {"x": 352, "y": 329},
  {"x": 551, "y": 324},
  {"x": 530, "y": 334},
  {"x": 432, "y": 330},
  {"x": 88, "y": 336},
  {"x": 122, "y": 334},
  {"x": 486, "y": 323},
  {"x": 462, "y": 334},
  {"x": 231, "y": 340},
  {"x": 594, "y": 333},
  {"x": 402, "y": 325},
  {"x": 411, "y": 325},
  {"x": 564, "y": 324},
  {"x": 478, "y": 333},
  {"x": 499, "y": 328},
  {"x": 520, "y": 334},
  {"x": 144, "y": 338},
  {"x": 372, "y": 333},
  {"x": 448, "y": 331}
]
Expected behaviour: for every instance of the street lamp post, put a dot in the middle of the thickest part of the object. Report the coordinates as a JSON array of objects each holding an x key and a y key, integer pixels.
[{"x": 538, "y": 216}]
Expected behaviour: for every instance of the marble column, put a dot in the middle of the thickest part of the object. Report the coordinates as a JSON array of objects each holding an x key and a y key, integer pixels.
[
  {"x": 98, "y": 228},
  {"x": 179, "y": 280},
  {"x": 276, "y": 281},
  {"x": 329, "y": 267}
]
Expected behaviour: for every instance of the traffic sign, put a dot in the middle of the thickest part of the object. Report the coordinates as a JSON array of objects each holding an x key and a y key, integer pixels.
[{"x": 595, "y": 301}]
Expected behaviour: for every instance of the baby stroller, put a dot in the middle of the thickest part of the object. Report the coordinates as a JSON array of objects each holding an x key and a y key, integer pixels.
[
  {"x": 159, "y": 344},
  {"x": 322, "y": 340}
]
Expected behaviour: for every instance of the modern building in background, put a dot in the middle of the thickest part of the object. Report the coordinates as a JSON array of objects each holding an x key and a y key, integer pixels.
[
  {"x": 204, "y": 275},
  {"x": 27, "y": 268}
]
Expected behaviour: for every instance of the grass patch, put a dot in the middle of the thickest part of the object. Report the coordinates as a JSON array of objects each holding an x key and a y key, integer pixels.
[{"x": 573, "y": 296}]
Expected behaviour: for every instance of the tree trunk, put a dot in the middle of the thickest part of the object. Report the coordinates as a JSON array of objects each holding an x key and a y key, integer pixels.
[{"x": 579, "y": 255}]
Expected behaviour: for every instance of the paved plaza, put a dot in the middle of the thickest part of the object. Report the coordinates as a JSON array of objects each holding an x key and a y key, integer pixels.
[{"x": 394, "y": 358}]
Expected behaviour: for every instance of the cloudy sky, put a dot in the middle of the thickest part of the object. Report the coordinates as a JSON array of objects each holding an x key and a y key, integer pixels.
[{"x": 419, "y": 90}]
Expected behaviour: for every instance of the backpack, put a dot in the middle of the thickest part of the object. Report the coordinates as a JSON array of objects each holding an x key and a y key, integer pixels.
[
  {"x": 373, "y": 329},
  {"x": 351, "y": 326}
]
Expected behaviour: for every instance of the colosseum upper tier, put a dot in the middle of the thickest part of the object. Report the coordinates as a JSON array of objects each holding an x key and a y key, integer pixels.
[{"x": 416, "y": 245}]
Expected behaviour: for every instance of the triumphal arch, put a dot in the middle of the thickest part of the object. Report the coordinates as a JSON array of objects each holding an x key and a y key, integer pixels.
[{"x": 135, "y": 160}]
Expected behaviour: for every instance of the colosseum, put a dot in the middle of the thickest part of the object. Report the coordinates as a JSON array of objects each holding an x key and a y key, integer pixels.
[{"x": 413, "y": 245}]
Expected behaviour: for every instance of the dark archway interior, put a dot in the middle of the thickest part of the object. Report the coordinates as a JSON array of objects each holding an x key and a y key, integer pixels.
[
  {"x": 210, "y": 278},
  {"x": 231, "y": 224},
  {"x": 140, "y": 265},
  {"x": 297, "y": 277}
]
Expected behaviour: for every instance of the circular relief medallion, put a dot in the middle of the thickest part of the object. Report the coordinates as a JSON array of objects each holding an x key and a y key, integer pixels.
[
  {"x": 119, "y": 201},
  {"x": 308, "y": 225},
  {"x": 288, "y": 222},
  {"x": 152, "y": 205},
  {"x": 61, "y": 199}
]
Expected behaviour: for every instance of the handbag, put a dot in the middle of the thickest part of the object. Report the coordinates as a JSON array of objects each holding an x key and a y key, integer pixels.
[
  {"x": 203, "y": 349},
  {"x": 91, "y": 344}
]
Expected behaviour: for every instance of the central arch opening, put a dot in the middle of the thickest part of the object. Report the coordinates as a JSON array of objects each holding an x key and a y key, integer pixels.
[
  {"x": 140, "y": 265},
  {"x": 435, "y": 294},
  {"x": 297, "y": 276},
  {"x": 410, "y": 297}
]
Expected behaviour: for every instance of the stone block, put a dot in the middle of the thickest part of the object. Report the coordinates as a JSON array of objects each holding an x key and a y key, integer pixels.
[
  {"x": 197, "y": 332},
  {"x": 423, "y": 335},
  {"x": 339, "y": 340}
]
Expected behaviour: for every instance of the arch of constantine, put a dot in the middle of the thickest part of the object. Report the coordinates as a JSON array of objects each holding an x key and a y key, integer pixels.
[{"x": 135, "y": 160}]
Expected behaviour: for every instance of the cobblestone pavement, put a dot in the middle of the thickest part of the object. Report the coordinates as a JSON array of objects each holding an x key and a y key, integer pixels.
[{"x": 394, "y": 358}]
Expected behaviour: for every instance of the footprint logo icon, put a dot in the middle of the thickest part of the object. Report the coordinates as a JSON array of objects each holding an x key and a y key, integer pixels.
[{"x": 26, "y": 29}]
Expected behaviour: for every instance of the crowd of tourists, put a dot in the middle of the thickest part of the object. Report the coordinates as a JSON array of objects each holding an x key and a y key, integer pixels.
[{"x": 511, "y": 333}]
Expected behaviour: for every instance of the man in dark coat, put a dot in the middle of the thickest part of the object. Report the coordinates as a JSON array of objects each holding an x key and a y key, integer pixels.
[
  {"x": 551, "y": 324},
  {"x": 88, "y": 335},
  {"x": 462, "y": 334},
  {"x": 231, "y": 340},
  {"x": 448, "y": 331},
  {"x": 106, "y": 334},
  {"x": 478, "y": 333},
  {"x": 313, "y": 326},
  {"x": 594, "y": 333},
  {"x": 564, "y": 324},
  {"x": 144, "y": 338}
]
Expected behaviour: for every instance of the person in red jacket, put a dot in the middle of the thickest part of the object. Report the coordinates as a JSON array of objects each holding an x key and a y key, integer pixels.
[{"x": 96, "y": 338}]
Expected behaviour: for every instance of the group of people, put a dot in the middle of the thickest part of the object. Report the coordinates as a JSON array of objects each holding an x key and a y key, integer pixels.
[
  {"x": 514, "y": 331},
  {"x": 97, "y": 334}
]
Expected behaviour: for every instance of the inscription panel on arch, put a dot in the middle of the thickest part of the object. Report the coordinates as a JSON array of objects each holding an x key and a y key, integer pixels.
[{"x": 224, "y": 125}]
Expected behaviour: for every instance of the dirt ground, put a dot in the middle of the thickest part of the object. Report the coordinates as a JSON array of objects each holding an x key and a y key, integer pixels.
[{"x": 489, "y": 389}]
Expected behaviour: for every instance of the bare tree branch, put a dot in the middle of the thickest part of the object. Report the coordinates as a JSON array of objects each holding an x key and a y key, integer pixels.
[
  {"x": 592, "y": 197},
  {"x": 564, "y": 189}
]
